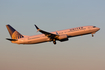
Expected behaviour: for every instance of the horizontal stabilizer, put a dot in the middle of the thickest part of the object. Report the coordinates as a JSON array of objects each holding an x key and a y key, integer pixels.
[{"x": 11, "y": 39}]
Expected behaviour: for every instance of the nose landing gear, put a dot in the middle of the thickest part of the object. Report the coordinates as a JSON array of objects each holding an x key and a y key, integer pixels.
[{"x": 92, "y": 35}]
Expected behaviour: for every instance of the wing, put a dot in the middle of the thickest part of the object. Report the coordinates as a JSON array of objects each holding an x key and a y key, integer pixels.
[{"x": 48, "y": 34}]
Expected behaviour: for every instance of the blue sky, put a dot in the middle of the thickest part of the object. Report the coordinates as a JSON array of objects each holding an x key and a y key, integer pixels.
[{"x": 79, "y": 53}]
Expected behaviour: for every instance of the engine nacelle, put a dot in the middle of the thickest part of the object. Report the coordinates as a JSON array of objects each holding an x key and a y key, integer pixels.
[{"x": 63, "y": 37}]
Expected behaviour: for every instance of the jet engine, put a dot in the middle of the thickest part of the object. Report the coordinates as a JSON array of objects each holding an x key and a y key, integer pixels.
[{"x": 63, "y": 37}]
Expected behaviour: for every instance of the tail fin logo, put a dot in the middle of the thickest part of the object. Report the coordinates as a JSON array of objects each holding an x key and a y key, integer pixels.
[
  {"x": 16, "y": 35},
  {"x": 13, "y": 33}
]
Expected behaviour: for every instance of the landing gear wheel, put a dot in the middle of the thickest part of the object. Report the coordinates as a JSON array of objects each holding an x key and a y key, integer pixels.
[
  {"x": 92, "y": 35},
  {"x": 54, "y": 41}
]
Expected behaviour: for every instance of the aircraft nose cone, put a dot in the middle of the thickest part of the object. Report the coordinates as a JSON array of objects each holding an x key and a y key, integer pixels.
[{"x": 98, "y": 28}]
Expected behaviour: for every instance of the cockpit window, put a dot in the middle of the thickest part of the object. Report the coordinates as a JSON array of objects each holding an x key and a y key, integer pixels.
[{"x": 94, "y": 26}]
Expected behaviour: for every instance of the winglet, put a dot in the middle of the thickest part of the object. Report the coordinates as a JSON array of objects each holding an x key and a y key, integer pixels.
[{"x": 37, "y": 28}]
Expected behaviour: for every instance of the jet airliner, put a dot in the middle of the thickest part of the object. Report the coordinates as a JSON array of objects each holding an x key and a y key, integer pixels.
[{"x": 62, "y": 35}]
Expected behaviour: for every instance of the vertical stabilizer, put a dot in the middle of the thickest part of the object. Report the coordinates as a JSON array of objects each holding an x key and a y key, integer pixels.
[{"x": 13, "y": 33}]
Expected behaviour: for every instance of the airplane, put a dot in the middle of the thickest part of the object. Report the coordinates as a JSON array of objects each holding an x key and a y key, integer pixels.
[{"x": 61, "y": 35}]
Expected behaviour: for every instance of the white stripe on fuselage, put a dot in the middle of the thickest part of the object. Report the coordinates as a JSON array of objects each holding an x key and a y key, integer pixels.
[{"x": 69, "y": 32}]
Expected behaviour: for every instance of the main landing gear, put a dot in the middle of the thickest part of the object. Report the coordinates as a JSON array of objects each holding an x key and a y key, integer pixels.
[{"x": 54, "y": 41}]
